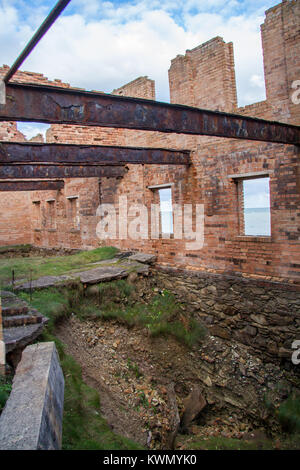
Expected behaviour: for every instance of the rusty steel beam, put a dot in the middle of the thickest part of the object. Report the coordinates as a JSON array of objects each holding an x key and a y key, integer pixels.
[
  {"x": 41, "y": 103},
  {"x": 31, "y": 185},
  {"x": 23, "y": 171},
  {"x": 12, "y": 152}
]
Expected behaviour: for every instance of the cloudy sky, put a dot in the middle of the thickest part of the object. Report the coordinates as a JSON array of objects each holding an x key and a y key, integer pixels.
[{"x": 102, "y": 45}]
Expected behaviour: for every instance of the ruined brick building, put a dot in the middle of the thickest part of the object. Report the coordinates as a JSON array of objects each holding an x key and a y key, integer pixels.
[{"x": 204, "y": 77}]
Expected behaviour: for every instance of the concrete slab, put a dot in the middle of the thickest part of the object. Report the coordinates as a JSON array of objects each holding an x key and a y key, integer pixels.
[
  {"x": 109, "y": 271},
  {"x": 43, "y": 282},
  {"x": 19, "y": 336}
]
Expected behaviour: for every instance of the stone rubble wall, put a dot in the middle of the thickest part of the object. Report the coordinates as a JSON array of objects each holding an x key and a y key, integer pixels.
[{"x": 262, "y": 315}]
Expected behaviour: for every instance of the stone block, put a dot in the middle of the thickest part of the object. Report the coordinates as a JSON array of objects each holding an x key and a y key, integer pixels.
[
  {"x": 143, "y": 258},
  {"x": 32, "y": 417}
]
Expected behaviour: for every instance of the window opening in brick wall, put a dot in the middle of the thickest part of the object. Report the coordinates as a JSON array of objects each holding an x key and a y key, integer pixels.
[
  {"x": 166, "y": 210},
  {"x": 51, "y": 216},
  {"x": 36, "y": 215},
  {"x": 73, "y": 212},
  {"x": 254, "y": 206}
]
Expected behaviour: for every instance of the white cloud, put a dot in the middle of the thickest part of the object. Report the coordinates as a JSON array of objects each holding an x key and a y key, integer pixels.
[
  {"x": 257, "y": 80},
  {"x": 256, "y": 193},
  {"x": 32, "y": 129},
  {"x": 244, "y": 33}
]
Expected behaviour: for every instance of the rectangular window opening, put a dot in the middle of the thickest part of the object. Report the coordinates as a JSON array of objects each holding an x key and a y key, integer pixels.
[
  {"x": 36, "y": 214},
  {"x": 51, "y": 220},
  {"x": 254, "y": 206},
  {"x": 166, "y": 210},
  {"x": 73, "y": 213}
]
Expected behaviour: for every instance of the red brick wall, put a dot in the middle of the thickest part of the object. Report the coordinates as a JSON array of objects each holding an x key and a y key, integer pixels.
[
  {"x": 141, "y": 87},
  {"x": 207, "y": 182},
  {"x": 203, "y": 77},
  {"x": 65, "y": 234},
  {"x": 281, "y": 47},
  {"x": 15, "y": 224}
]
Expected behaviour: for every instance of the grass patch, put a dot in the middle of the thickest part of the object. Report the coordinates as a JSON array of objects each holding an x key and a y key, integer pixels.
[
  {"x": 223, "y": 443},
  {"x": 287, "y": 413},
  {"x": 113, "y": 289},
  {"x": 5, "y": 389},
  {"x": 84, "y": 428},
  {"x": 162, "y": 315},
  {"x": 52, "y": 266},
  {"x": 133, "y": 367},
  {"x": 52, "y": 302}
]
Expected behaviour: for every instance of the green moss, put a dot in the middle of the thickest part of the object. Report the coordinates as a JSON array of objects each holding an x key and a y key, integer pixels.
[{"x": 133, "y": 367}]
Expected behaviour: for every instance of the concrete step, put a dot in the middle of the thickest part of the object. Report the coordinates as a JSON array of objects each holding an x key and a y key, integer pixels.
[
  {"x": 21, "y": 320},
  {"x": 12, "y": 305},
  {"x": 23, "y": 329},
  {"x": 13, "y": 310}
]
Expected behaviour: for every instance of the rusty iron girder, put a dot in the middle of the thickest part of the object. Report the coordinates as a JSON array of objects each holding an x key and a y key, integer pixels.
[
  {"x": 19, "y": 185},
  {"x": 23, "y": 171},
  {"x": 48, "y": 104},
  {"x": 12, "y": 152}
]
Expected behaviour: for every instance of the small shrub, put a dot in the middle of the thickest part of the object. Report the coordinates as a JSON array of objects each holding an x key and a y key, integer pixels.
[
  {"x": 134, "y": 368},
  {"x": 111, "y": 291},
  {"x": 289, "y": 414}
]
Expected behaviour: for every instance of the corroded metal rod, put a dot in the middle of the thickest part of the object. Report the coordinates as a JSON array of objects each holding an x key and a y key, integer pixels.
[{"x": 45, "y": 26}]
